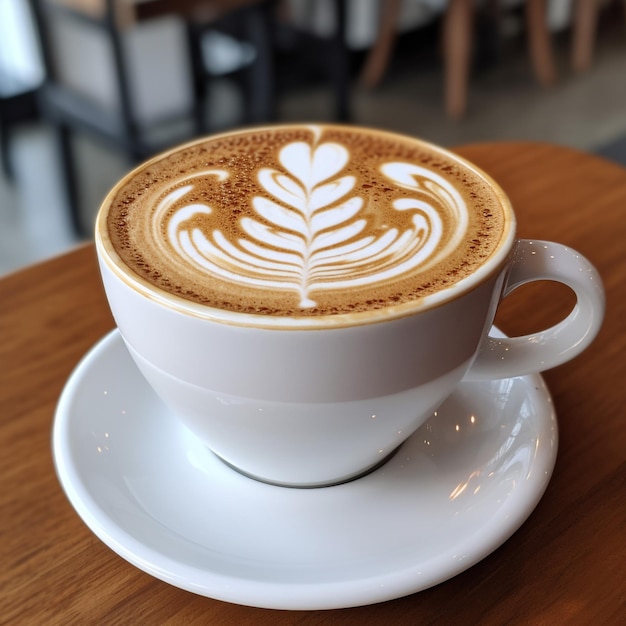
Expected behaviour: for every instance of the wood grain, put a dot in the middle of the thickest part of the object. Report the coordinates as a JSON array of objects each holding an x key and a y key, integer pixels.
[{"x": 565, "y": 565}]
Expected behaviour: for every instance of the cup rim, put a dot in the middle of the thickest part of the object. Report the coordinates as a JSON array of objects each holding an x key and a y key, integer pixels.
[{"x": 108, "y": 255}]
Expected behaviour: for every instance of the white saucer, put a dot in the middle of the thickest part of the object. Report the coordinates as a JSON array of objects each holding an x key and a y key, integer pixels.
[{"x": 454, "y": 492}]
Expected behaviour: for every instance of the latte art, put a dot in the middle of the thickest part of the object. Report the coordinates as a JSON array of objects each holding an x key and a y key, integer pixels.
[
  {"x": 311, "y": 234},
  {"x": 303, "y": 220}
]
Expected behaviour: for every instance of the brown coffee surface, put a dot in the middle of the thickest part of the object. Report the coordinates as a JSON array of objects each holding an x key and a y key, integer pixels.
[{"x": 304, "y": 220}]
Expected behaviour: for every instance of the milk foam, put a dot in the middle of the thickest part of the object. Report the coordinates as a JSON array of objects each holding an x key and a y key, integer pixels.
[{"x": 306, "y": 230}]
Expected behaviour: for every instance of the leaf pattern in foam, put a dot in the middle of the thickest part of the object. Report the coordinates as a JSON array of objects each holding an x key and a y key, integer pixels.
[
  {"x": 308, "y": 233},
  {"x": 313, "y": 164}
]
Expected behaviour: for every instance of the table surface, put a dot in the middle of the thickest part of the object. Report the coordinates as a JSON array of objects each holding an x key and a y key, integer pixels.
[{"x": 566, "y": 564}]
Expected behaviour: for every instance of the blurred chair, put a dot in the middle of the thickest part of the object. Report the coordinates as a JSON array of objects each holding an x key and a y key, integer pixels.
[
  {"x": 148, "y": 75},
  {"x": 284, "y": 42},
  {"x": 235, "y": 39},
  {"x": 329, "y": 51},
  {"x": 268, "y": 25},
  {"x": 458, "y": 35},
  {"x": 83, "y": 95}
]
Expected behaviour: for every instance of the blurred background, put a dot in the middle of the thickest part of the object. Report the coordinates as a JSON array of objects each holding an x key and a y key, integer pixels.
[{"x": 88, "y": 88}]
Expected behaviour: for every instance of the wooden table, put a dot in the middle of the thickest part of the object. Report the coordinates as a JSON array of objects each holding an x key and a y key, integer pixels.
[{"x": 565, "y": 565}]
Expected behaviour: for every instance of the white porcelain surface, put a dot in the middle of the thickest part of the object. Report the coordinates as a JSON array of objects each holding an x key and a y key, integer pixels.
[{"x": 454, "y": 492}]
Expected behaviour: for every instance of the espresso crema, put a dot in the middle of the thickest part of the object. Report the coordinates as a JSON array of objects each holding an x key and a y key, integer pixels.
[{"x": 305, "y": 220}]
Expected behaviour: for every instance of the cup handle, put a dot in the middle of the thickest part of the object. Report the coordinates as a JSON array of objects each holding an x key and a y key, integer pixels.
[{"x": 517, "y": 356}]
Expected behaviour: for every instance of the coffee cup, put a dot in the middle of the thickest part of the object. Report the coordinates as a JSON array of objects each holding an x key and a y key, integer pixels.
[{"x": 304, "y": 297}]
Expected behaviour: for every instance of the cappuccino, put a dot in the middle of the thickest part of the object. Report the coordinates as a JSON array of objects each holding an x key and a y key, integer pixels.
[{"x": 305, "y": 220}]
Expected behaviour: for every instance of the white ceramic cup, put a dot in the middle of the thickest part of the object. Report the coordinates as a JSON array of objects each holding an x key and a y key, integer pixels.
[{"x": 314, "y": 401}]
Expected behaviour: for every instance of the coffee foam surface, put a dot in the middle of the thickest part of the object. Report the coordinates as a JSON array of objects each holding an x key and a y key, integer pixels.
[{"x": 304, "y": 220}]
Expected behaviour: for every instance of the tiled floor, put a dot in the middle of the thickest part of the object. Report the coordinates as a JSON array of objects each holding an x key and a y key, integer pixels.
[{"x": 584, "y": 111}]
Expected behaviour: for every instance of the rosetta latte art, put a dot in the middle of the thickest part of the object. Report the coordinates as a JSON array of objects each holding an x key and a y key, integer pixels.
[{"x": 308, "y": 231}]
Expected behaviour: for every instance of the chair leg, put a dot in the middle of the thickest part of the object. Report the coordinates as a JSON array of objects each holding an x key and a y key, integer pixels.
[
  {"x": 457, "y": 44},
  {"x": 585, "y": 21},
  {"x": 199, "y": 81},
  {"x": 378, "y": 57},
  {"x": 5, "y": 152},
  {"x": 68, "y": 176},
  {"x": 540, "y": 42},
  {"x": 340, "y": 66},
  {"x": 261, "y": 75}
]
